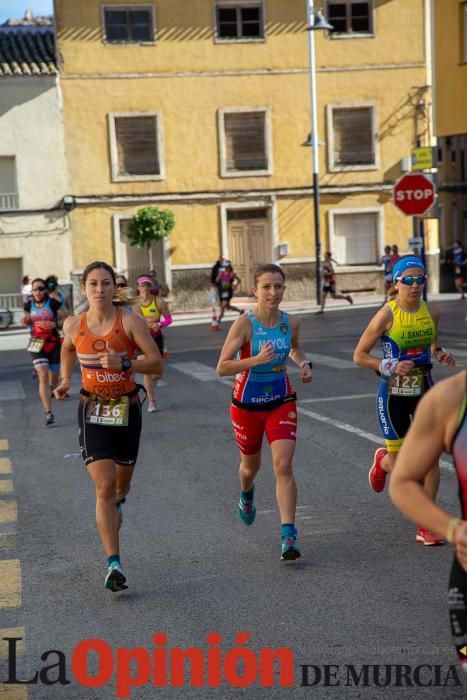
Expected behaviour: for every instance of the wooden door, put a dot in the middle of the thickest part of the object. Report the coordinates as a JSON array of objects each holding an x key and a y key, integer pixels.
[{"x": 249, "y": 244}]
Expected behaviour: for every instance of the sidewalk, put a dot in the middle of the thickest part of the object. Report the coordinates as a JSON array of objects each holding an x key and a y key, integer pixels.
[{"x": 361, "y": 300}]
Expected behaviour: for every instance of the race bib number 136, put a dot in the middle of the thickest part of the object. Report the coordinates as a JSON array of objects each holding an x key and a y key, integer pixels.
[{"x": 110, "y": 412}]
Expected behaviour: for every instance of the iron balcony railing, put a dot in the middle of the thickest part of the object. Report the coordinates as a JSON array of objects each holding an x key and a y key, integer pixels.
[{"x": 8, "y": 201}]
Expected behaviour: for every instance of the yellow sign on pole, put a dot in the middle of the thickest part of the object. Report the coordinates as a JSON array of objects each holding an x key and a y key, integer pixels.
[{"x": 422, "y": 158}]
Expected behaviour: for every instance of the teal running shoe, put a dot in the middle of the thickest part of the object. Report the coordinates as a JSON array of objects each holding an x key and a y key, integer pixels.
[
  {"x": 115, "y": 580},
  {"x": 246, "y": 511},
  {"x": 290, "y": 548}
]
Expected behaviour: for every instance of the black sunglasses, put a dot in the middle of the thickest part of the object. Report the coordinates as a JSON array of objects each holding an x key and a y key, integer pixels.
[{"x": 38, "y": 289}]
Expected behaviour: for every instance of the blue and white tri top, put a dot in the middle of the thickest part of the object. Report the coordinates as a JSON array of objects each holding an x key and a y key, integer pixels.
[{"x": 265, "y": 386}]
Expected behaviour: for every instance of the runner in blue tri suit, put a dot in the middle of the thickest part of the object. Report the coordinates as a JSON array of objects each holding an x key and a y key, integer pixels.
[{"x": 263, "y": 401}]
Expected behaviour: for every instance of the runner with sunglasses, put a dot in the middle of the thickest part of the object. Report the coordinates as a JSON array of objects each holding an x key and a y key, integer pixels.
[
  {"x": 407, "y": 329},
  {"x": 43, "y": 313},
  {"x": 155, "y": 312}
]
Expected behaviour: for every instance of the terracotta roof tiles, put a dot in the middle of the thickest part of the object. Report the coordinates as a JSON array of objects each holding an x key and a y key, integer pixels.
[{"x": 27, "y": 51}]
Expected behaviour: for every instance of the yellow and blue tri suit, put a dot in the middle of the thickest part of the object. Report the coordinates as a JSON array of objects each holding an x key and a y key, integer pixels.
[{"x": 409, "y": 338}]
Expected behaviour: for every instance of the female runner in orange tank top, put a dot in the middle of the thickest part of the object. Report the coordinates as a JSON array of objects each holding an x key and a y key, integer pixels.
[{"x": 105, "y": 339}]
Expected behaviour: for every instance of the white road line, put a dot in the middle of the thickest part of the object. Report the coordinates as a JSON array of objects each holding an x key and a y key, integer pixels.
[
  {"x": 11, "y": 390},
  {"x": 201, "y": 372},
  {"x": 357, "y": 431},
  {"x": 335, "y": 362},
  {"x": 338, "y": 398}
]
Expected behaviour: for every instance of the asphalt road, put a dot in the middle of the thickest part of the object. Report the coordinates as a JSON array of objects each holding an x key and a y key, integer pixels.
[{"x": 363, "y": 593}]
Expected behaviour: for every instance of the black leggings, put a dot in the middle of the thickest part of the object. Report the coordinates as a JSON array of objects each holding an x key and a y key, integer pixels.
[{"x": 457, "y": 605}]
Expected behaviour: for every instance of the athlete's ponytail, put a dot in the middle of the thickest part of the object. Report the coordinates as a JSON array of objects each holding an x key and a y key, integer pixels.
[{"x": 124, "y": 296}]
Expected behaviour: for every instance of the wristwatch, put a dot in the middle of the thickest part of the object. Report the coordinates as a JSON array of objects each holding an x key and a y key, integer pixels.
[
  {"x": 306, "y": 362},
  {"x": 126, "y": 364}
]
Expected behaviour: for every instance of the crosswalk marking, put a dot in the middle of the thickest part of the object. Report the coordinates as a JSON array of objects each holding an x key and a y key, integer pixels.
[
  {"x": 8, "y": 511},
  {"x": 13, "y": 692},
  {"x": 5, "y": 465},
  {"x": 4, "y": 445},
  {"x": 201, "y": 372},
  {"x": 329, "y": 361},
  {"x": 6, "y": 486},
  {"x": 17, "y": 632},
  {"x": 10, "y": 583}
]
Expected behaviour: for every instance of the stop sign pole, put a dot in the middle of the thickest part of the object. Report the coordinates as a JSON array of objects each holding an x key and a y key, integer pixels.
[{"x": 414, "y": 194}]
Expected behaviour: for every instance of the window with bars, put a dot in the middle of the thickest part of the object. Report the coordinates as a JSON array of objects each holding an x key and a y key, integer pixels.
[
  {"x": 129, "y": 25},
  {"x": 135, "y": 147},
  {"x": 236, "y": 21},
  {"x": 352, "y": 137},
  {"x": 350, "y": 16},
  {"x": 245, "y": 142}
]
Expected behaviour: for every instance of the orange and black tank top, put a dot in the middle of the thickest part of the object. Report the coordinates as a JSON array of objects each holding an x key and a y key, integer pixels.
[{"x": 107, "y": 383}]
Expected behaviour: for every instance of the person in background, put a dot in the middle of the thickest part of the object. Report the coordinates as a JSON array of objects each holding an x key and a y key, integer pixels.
[
  {"x": 227, "y": 282},
  {"x": 155, "y": 312},
  {"x": 394, "y": 257},
  {"x": 26, "y": 289},
  {"x": 51, "y": 282},
  {"x": 329, "y": 283},
  {"x": 460, "y": 261},
  {"x": 387, "y": 267}
]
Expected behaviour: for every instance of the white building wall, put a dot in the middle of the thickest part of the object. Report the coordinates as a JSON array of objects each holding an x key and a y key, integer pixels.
[{"x": 31, "y": 129}]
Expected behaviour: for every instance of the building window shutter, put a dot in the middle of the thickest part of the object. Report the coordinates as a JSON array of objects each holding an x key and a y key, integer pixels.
[
  {"x": 353, "y": 136},
  {"x": 238, "y": 22},
  {"x": 137, "y": 151},
  {"x": 356, "y": 241},
  {"x": 245, "y": 141}
]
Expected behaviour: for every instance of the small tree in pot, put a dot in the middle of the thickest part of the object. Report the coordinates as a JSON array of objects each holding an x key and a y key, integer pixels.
[{"x": 149, "y": 225}]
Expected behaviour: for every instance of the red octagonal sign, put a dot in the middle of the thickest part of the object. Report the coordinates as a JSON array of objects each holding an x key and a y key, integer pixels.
[{"x": 414, "y": 194}]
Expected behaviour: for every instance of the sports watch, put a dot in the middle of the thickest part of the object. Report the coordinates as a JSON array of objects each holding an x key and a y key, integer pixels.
[{"x": 126, "y": 364}]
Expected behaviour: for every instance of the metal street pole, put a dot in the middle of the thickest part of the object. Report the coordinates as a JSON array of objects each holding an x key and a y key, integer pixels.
[{"x": 314, "y": 144}]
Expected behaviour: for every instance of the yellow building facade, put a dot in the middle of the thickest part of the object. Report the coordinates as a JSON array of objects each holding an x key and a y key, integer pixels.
[
  {"x": 203, "y": 107},
  {"x": 450, "y": 83}
]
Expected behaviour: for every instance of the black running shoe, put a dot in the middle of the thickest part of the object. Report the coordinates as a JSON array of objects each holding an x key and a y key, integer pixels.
[{"x": 49, "y": 418}]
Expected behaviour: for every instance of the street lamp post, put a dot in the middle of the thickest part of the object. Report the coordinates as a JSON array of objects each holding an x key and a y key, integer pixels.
[{"x": 315, "y": 21}]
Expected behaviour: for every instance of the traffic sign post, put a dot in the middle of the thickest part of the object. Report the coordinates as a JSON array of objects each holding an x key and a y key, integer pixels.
[{"x": 414, "y": 194}]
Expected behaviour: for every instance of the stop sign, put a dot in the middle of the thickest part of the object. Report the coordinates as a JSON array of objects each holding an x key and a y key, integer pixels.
[{"x": 414, "y": 194}]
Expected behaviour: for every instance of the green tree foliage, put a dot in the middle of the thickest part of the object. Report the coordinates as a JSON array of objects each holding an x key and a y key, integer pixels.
[{"x": 149, "y": 225}]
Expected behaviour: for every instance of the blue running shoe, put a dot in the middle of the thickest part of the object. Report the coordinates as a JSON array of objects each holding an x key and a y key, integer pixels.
[
  {"x": 246, "y": 511},
  {"x": 290, "y": 548},
  {"x": 115, "y": 580}
]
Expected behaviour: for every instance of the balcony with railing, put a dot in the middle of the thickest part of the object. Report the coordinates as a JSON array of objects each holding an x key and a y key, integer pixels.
[{"x": 9, "y": 201}]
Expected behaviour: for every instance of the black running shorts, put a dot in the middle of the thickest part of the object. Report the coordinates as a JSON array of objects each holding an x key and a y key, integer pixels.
[{"x": 105, "y": 442}]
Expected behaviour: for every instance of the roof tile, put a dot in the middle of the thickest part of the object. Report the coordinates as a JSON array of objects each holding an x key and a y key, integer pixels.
[{"x": 27, "y": 52}]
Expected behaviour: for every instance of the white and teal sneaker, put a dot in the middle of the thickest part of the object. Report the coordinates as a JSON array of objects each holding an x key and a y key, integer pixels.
[{"x": 115, "y": 580}]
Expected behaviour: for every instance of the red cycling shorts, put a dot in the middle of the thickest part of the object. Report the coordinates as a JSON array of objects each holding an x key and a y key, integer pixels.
[{"x": 249, "y": 426}]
